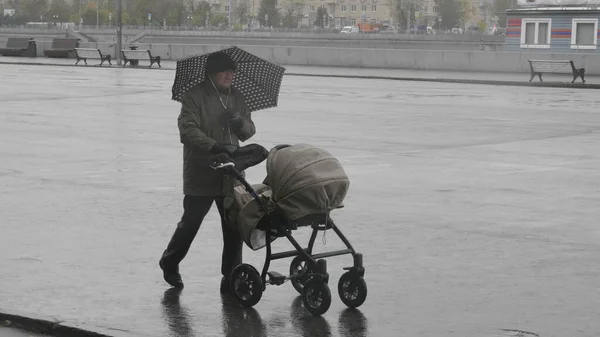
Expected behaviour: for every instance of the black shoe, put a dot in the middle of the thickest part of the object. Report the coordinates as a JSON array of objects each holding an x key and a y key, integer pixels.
[{"x": 171, "y": 276}]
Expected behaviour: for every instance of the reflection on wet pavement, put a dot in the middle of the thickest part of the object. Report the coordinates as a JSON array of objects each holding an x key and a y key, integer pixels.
[
  {"x": 238, "y": 321},
  {"x": 177, "y": 316}
]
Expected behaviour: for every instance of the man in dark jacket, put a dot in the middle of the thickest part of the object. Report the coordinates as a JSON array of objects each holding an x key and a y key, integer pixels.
[{"x": 213, "y": 119}]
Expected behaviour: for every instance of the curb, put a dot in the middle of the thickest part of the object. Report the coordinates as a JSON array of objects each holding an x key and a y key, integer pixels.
[
  {"x": 97, "y": 66},
  {"x": 461, "y": 81},
  {"x": 45, "y": 326},
  {"x": 369, "y": 77}
]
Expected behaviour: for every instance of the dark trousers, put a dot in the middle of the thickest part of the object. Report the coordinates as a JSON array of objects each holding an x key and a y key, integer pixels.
[{"x": 194, "y": 210}]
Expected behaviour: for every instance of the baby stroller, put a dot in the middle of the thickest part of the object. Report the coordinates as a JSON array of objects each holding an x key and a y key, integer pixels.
[{"x": 303, "y": 184}]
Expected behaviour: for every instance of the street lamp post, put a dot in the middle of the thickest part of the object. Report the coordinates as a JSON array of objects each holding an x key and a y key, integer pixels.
[
  {"x": 230, "y": 10},
  {"x": 119, "y": 31},
  {"x": 408, "y": 21},
  {"x": 408, "y": 17},
  {"x": 97, "y": 13}
]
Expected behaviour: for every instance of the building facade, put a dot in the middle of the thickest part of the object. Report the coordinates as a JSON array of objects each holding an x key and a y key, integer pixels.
[
  {"x": 341, "y": 12},
  {"x": 553, "y": 29},
  {"x": 350, "y": 12}
]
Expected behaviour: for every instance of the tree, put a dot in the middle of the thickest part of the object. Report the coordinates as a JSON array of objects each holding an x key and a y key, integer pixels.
[
  {"x": 322, "y": 17},
  {"x": 218, "y": 20},
  {"x": 293, "y": 13},
  {"x": 89, "y": 15},
  {"x": 174, "y": 12},
  {"x": 59, "y": 11},
  {"x": 240, "y": 13},
  {"x": 30, "y": 10},
  {"x": 138, "y": 12},
  {"x": 269, "y": 8},
  {"x": 290, "y": 19},
  {"x": 200, "y": 13},
  {"x": 453, "y": 12},
  {"x": 36, "y": 9},
  {"x": 500, "y": 7},
  {"x": 401, "y": 11}
]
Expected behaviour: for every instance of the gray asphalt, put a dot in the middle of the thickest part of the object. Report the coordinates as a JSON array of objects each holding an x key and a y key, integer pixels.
[
  {"x": 11, "y": 332},
  {"x": 475, "y": 206}
]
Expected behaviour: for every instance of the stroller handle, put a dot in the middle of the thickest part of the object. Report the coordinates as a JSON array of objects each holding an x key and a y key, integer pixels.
[
  {"x": 224, "y": 165},
  {"x": 230, "y": 169}
]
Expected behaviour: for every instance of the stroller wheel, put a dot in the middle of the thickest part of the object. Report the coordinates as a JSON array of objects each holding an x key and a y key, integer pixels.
[
  {"x": 316, "y": 296},
  {"x": 300, "y": 269},
  {"x": 246, "y": 285},
  {"x": 352, "y": 289}
]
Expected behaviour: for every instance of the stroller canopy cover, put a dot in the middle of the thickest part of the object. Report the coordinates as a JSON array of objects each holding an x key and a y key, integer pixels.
[
  {"x": 305, "y": 180},
  {"x": 301, "y": 180}
]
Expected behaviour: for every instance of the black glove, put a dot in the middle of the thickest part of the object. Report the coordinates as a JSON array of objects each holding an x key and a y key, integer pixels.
[
  {"x": 227, "y": 116},
  {"x": 223, "y": 148},
  {"x": 229, "y": 113},
  {"x": 236, "y": 123}
]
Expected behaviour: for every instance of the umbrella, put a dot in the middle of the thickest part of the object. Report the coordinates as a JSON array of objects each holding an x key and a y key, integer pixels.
[{"x": 258, "y": 80}]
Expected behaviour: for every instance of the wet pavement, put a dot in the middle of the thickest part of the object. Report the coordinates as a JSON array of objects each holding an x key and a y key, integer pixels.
[
  {"x": 11, "y": 332},
  {"x": 475, "y": 206}
]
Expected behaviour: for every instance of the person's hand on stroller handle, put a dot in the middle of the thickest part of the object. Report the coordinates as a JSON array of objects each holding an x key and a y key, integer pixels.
[
  {"x": 220, "y": 161},
  {"x": 223, "y": 148},
  {"x": 236, "y": 123}
]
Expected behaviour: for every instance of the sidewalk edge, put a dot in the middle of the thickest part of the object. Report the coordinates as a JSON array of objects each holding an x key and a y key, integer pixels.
[
  {"x": 45, "y": 325},
  {"x": 524, "y": 83},
  {"x": 460, "y": 81}
]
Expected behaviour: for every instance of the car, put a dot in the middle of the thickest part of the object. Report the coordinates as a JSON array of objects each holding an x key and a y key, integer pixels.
[{"x": 349, "y": 30}]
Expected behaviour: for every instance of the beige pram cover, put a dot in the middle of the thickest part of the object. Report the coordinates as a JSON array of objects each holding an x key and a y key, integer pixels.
[{"x": 301, "y": 180}]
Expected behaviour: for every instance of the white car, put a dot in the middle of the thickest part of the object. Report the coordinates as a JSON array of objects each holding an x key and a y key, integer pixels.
[{"x": 349, "y": 30}]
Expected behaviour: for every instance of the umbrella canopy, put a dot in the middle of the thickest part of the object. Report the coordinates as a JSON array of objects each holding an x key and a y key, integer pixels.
[{"x": 257, "y": 79}]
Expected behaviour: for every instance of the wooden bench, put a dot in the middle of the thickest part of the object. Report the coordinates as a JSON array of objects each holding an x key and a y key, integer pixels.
[
  {"x": 136, "y": 55},
  {"x": 19, "y": 46},
  {"x": 91, "y": 53},
  {"x": 538, "y": 67},
  {"x": 62, "y": 48}
]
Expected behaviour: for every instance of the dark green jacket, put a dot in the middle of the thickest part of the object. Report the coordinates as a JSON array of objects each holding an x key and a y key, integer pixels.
[{"x": 201, "y": 126}]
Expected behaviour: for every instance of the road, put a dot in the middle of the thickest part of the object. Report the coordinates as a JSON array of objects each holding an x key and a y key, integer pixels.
[{"x": 475, "y": 207}]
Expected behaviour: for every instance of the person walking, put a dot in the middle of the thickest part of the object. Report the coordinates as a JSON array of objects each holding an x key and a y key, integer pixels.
[{"x": 214, "y": 118}]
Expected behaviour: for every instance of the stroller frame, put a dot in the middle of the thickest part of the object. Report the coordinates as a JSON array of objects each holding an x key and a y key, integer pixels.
[{"x": 311, "y": 282}]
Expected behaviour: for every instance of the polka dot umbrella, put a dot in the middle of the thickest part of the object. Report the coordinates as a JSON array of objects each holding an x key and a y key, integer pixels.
[{"x": 258, "y": 80}]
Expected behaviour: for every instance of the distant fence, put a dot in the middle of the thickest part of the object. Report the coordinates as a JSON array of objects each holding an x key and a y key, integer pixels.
[{"x": 276, "y": 33}]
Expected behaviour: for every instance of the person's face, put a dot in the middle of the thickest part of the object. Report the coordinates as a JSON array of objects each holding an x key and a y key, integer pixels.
[{"x": 224, "y": 79}]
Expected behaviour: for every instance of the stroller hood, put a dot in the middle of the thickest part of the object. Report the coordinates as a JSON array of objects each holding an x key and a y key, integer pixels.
[
  {"x": 305, "y": 180},
  {"x": 301, "y": 180}
]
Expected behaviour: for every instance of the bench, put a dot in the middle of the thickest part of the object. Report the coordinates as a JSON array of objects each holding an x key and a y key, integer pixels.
[
  {"x": 91, "y": 53},
  {"x": 538, "y": 67},
  {"x": 19, "y": 46},
  {"x": 62, "y": 48},
  {"x": 136, "y": 55}
]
